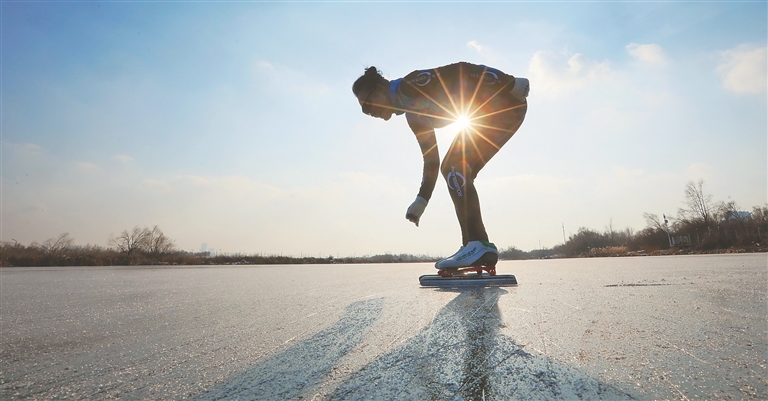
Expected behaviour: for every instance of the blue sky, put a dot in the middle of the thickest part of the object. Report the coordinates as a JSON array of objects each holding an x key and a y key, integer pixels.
[{"x": 233, "y": 124}]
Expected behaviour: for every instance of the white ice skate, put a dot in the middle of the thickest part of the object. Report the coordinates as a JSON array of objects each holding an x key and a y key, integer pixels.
[
  {"x": 473, "y": 265},
  {"x": 474, "y": 254}
]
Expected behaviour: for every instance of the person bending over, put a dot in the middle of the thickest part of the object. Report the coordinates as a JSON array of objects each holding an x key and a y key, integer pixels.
[{"x": 493, "y": 103}]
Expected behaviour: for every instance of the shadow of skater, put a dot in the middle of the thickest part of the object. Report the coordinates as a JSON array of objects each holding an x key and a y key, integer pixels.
[
  {"x": 462, "y": 355},
  {"x": 300, "y": 369}
]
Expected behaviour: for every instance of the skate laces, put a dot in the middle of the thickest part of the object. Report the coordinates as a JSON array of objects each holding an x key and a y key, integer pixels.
[
  {"x": 486, "y": 244},
  {"x": 457, "y": 252}
]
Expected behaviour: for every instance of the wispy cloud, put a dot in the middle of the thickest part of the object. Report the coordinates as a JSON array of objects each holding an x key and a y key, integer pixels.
[
  {"x": 122, "y": 159},
  {"x": 534, "y": 183},
  {"x": 473, "y": 44},
  {"x": 281, "y": 78},
  {"x": 554, "y": 74},
  {"x": 742, "y": 69},
  {"x": 485, "y": 53},
  {"x": 87, "y": 166},
  {"x": 212, "y": 189},
  {"x": 649, "y": 53},
  {"x": 22, "y": 149},
  {"x": 699, "y": 170}
]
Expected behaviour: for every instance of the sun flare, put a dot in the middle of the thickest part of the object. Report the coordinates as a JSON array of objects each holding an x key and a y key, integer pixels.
[{"x": 462, "y": 122}]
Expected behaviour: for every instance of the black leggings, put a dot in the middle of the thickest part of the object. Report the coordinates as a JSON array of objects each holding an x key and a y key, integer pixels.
[{"x": 470, "y": 152}]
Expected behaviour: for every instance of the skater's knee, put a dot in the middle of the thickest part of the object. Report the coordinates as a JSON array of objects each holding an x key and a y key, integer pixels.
[
  {"x": 451, "y": 168},
  {"x": 452, "y": 165},
  {"x": 445, "y": 169},
  {"x": 457, "y": 176}
]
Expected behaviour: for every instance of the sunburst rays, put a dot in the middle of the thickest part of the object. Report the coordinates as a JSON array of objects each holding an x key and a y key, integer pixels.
[
  {"x": 472, "y": 119},
  {"x": 462, "y": 108}
]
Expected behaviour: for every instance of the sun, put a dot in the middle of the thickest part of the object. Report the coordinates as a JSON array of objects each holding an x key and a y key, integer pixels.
[{"x": 462, "y": 122}]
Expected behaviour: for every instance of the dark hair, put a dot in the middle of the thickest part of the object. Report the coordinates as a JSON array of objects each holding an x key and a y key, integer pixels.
[{"x": 368, "y": 81}]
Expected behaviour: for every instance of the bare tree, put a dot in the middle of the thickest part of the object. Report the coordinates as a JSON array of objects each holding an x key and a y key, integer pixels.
[
  {"x": 652, "y": 220},
  {"x": 609, "y": 229},
  {"x": 55, "y": 246},
  {"x": 699, "y": 204},
  {"x": 131, "y": 241},
  {"x": 158, "y": 243},
  {"x": 729, "y": 211},
  {"x": 760, "y": 215}
]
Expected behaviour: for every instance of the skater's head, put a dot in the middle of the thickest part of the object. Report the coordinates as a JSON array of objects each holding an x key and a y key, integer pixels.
[{"x": 371, "y": 90}]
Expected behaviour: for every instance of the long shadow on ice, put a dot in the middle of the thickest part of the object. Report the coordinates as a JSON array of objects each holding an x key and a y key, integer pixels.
[
  {"x": 301, "y": 369},
  {"x": 462, "y": 355}
]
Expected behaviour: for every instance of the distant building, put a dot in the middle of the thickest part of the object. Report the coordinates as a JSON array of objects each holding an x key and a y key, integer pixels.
[{"x": 739, "y": 215}]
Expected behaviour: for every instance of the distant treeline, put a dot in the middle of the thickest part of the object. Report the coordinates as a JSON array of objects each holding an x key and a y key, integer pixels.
[
  {"x": 14, "y": 254},
  {"x": 703, "y": 227},
  {"x": 145, "y": 246}
]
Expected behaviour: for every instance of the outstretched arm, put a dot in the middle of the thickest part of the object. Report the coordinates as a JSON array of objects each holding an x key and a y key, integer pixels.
[{"x": 425, "y": 135}]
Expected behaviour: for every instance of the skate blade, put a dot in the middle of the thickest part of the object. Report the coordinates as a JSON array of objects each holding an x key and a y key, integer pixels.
[{"x": 486, "y": 280}]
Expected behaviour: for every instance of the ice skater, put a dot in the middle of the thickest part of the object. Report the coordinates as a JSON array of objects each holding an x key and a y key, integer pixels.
[{"x": 494, "y": 105}]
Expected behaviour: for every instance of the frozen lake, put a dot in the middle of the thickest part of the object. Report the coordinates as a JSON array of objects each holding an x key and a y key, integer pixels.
[{"x": 682, "y": 327}]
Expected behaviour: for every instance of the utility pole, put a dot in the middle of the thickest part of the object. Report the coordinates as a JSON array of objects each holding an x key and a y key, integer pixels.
[
  {"x": 671, "y": 242},
  {"x": 563, "y": 233}
]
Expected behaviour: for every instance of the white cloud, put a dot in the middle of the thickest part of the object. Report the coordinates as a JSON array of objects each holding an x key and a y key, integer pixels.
[
  {"x": 534, "y": 183},
  {"x": 281, "y": 79},
  {"x": 699, "y": 170},
  {"x": 624, "y": 174},
  {"x": 484, "y": 54},
  {"x": 380, "y": 184},
  {"x": 264, "y": 65},
  {"x": 122, "y": 159},
  {"x": 28, "y": 148},
  {"x": 551, "y": 73},
  {"x": 743, "y": 69},
  {"x": 650, "y": 53},
  {"x": 222, "y": 188},
  {"x": 475, "y": 45},
  {"x": 23, "y": 151},
  {"x": 86, "y": 166},
  {"x": 152, "y": 183}
]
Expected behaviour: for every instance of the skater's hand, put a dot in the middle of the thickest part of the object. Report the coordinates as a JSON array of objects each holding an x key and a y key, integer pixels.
[{"x": 415, "y": 210}]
